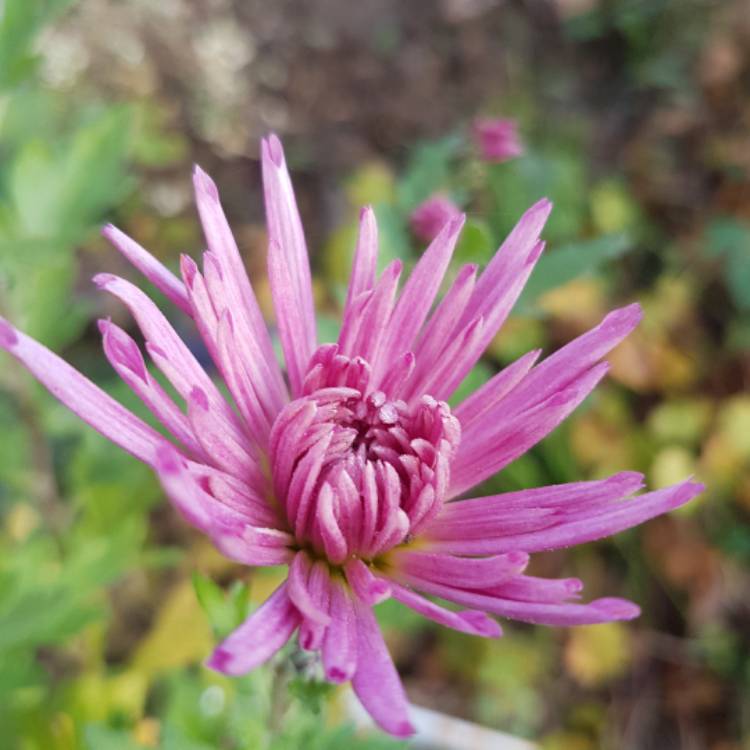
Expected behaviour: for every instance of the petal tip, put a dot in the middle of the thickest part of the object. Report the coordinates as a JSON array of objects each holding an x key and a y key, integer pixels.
[
  {"x": 627, "y": 482},
  {"x": 482, "y": 623},
  {"x": 204, "y": 184},
  {"x": 275, "y": 150},
  {"x": 536, "y": 251},
  {"x": 8, "y": 336},
  {"x": 455, "y": 224},
  {"x": 338, "y": 674},
  {"x": 540, "y": 210},
  {"x": 518, "y": 559},
  {"x": 687, "y": 490},
  {"x": 188, "y": 268},
  {"x": 403, "y": 729},
  {"x": 617, "y": 609},
  {"x": 220, "y": 661},
  {"x": 109, "y": 231},
  {"x": 102, "y": 280}
]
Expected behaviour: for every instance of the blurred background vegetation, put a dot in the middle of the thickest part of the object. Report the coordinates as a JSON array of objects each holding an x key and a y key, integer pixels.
[{"x": 636, "y": 120}]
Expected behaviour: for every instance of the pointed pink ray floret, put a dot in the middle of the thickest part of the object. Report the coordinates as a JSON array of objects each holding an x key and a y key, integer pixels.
[{"x": 351, "y": 468}]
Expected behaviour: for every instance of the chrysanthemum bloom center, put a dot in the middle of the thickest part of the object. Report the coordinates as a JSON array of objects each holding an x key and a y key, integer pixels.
[{"x": 356, "y": 472}]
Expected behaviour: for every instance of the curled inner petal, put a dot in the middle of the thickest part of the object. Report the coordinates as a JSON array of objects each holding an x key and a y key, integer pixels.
[{"x": 358, "y": 473}]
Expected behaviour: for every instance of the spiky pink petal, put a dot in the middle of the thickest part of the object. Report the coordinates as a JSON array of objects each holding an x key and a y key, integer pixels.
[
  {"x": 495, "y": 389},
  {"x": 376, "y": 681},
  {"x": 235, "y": 293},
  {"x": 288, "y": 265},
  {"x": 299, "y": 591},
  {"x": 81, "y": 396},
  {"x": 169, "y": 352},
  {"x": 418, "y": 295},
  {"x": 365, "y": 258},
  {"x": 340, "y": 650},
  {"x": 125, "y": 357},
  {"x": 154, "y": 270},
  {"x": 542, "y": 613},
  {"x": 312, "y": 632},
  {"x": 259, "y": 637},
  {"x": 469, "y": 621},
  {"x": 441, "y": 326},
  {"x": 469, "y": 572},
  {"x": 370, "y": 589},
  {"x": 480, "y": 455}
]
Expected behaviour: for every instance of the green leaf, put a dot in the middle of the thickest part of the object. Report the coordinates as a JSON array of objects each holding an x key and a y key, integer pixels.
[
  {"x": 20, "y": 22},
  {"x": 98, "y": 737},
  {"x": 427, "y": 172},
  {"x": 737, "y": 276},
  {"x": 312, "y": 694},
  {"x": 59, "y": 192},
  {"x": 329, "y": 328},
  {"x": 225, "y": 611},
  {"x": 393, "y": 235},
  {"x": 725, "y": 236},
  {"x": 729, "y": 239},
  {"x": 558, "y": 267},
  {"x": 556, "y": 173},
  {"x": 475, "y": 245}
]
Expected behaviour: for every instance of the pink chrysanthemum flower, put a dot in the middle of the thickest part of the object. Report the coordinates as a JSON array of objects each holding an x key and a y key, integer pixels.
[
  {"x": 430, "y": 216},
  {"x": 497, "y": 139},
  {"x": 350, "y": 470}
]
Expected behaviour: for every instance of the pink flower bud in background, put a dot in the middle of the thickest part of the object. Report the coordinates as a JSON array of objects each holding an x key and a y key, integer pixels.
[
  {"x": 430, "y": 216},
  {"x": 497, "y": 139}
]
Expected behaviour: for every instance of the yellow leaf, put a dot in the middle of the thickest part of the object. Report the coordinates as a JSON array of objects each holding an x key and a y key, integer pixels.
[
  {"x": 671, "y": 465},
  {"x": 632, "y": 363},
  {"x": 20, "y": 521},
  {"x": 734, "y": 424},
  {"x": 595, "y": 654},
  {"x": 581, "y": 301},
  {"x": 265, "y": 581},
  {"x": 338, "y": 253},
  {"x": 681, "y": 421},
  {"x": 126, "y": 693},
  {"x": 147, "y": 732},
  {"x": 612, "y": 208},
  {"x": 180, "y": 636},
  {"x": 720, "y": 461},
  {"x": 600, "y": 443},
  {"x": 372, "y": 183}
]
